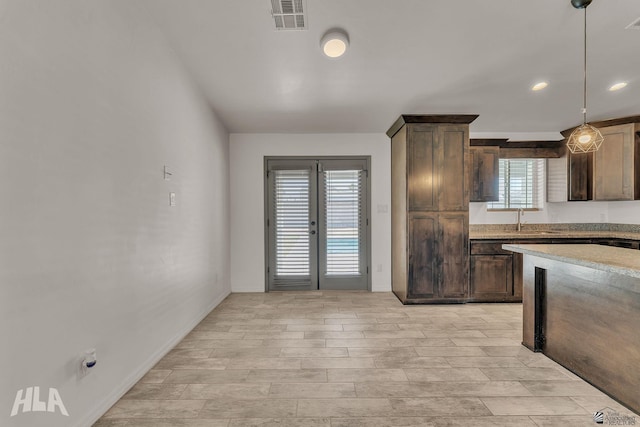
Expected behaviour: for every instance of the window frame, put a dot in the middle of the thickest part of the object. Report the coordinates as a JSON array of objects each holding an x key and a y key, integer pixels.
[{"x": 537, "y": 187}]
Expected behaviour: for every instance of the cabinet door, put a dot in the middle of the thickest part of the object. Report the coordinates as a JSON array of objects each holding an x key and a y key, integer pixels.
[
  {"x": 491, "y": 277},
  {"x": 453, "y": 254},
  {"x": 422, "y": 256},
  {"x": 484, "y": 174},
  {"x": 422, "y": 176},
  {"x": 453, "y": 157},
  {"x": 580, "y": 177},
  {"x": 613, "y": 164}
]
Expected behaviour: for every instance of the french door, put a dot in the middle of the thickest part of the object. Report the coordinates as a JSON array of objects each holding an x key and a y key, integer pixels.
[{"x": 317, "y": 225}]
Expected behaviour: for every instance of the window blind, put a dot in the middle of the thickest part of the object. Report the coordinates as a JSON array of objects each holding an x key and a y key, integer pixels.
[
  {"x": 343, "y": 204},
  {"x": 520, "y": 184},
  {"x": 291, "y": 196}
]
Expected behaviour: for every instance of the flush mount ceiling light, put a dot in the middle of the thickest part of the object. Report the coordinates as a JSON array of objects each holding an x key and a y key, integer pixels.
[
  {"x": 618, "y": 86},
  {"x": 539, "y": 86},
  {"x": 585, "y": 138},
  {"x": 334, "y": 43}
]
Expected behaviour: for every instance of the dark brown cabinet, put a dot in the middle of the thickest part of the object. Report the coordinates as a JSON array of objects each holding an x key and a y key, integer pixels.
[
  {"x": 612, "y": 172},
  {"x": 484, "y": 174},
  {"x": 430, "y": 208},
  {"x": 493, "y": 277},
  {"x": 580, "y": 177},
  {"x": 438, "y": 256}
]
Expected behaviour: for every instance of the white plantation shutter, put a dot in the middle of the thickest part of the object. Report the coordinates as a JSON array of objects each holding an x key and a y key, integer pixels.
[
  {"x": 343, "y": 224},
  {"x": 520, "y": 184},
  {"x": 317, "y": 227},
  {"x": 291, "y": 195}
]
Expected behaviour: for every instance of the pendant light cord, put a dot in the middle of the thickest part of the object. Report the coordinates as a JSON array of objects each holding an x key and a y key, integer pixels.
[{"x": 584, "y": 109}]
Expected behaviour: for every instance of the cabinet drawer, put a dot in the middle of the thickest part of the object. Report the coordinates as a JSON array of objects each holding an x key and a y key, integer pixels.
[{"x": 489, "y": 248}]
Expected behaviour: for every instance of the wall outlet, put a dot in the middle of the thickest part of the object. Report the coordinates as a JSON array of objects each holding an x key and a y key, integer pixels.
[{"x": 172, "y": 199}]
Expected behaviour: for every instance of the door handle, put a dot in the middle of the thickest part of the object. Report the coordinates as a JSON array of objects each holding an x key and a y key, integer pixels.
[
  {"x": 313, "y": 231},
  {"x": 313, "y": 223}
]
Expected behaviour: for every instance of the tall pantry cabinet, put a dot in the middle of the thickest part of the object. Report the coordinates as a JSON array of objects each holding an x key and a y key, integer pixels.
[{"x": 430, "y": 208}]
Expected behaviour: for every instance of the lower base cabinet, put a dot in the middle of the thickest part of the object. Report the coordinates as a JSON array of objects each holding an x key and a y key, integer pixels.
[
  {"x": 438, "y": 258},
  {"x": 440, "y": 255},
  {"x": 491, "y": 277},
  {"x": 494, "y": 273}
]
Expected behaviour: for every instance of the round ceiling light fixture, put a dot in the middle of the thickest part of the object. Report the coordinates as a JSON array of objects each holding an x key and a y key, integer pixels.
[
  {"x": 539, "y": 86},
  {"x": 334, "y": 43},
  {"x": 618, "y": 86}
]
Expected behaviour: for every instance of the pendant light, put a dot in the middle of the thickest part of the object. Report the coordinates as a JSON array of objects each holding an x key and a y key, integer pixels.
[{"x": 585, "y": 138}]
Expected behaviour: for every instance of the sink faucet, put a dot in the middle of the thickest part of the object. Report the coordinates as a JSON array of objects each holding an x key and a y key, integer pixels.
[{"x": 520, "y": 215}]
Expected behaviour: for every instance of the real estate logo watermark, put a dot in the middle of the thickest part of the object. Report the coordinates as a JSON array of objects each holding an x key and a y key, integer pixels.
[
  {"x": 610, "y": 417},
  {"x": 29, "y": 400}
]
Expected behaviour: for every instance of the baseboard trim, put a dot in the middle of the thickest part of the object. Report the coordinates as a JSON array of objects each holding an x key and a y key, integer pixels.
[{"x": 130, "y": 381}]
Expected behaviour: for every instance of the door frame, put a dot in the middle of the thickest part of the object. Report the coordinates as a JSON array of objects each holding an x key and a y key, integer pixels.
[{"x": 265, "y": 180}]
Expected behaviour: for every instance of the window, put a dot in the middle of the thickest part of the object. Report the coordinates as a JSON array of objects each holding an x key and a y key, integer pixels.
[{"x": 520, "y": 182}]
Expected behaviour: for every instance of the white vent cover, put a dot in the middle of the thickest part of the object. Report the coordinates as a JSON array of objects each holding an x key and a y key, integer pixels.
[
  {"x": 289, "y": 14},
  {"x": 635, "y": 25}
]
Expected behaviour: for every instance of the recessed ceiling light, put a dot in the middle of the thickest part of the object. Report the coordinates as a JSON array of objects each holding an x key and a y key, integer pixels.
[
  {"x": 334, "y": 43},
  {"x": 618, "y": 86},
  {"x": 539, "y": 86}
]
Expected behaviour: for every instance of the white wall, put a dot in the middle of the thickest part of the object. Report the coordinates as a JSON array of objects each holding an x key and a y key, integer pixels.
[
  {"x": 247, "y": 198},
  {"x": 568, "y": 212},
  {"x": 92, "y": 105},
  {"x": 624, "y": 212}
]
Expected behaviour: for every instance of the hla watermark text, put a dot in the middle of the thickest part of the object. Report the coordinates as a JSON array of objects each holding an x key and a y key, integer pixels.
[{"x": 31, "y": 402}]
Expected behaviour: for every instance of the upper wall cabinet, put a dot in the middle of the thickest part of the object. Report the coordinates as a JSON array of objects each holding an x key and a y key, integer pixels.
[
  {"x": 580, "y": 184},
  {"x": 615, "y": 164},
  {"x": 437, "y": 157},
  {"x": 611, "y": 173},
  {"x": 484, "y": 174}
]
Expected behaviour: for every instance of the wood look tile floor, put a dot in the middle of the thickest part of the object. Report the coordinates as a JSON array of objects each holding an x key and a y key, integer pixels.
[{"x": 345, "y": 359}]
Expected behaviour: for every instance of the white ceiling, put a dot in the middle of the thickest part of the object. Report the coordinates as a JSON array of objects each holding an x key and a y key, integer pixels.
[{"x": 407, "y": 57}]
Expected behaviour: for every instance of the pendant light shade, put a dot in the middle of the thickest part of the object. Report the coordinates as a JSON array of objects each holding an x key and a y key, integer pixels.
[{"x": 585, "y": 138}]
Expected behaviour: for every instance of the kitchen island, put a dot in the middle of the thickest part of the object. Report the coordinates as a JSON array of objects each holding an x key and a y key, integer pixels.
[{"x": 581, "y": 308}]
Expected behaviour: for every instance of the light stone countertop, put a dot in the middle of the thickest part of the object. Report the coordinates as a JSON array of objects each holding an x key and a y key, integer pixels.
[
  {"x": 556, "y": 230},
  {"x": 550, "y": 234},
  {"x": 604, "y": 258}
]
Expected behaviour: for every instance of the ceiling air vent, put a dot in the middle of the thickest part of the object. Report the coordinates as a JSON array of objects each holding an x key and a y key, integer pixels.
[
  {"x": 289, "y": 14},
  {"x": 635, "y": 25}
]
